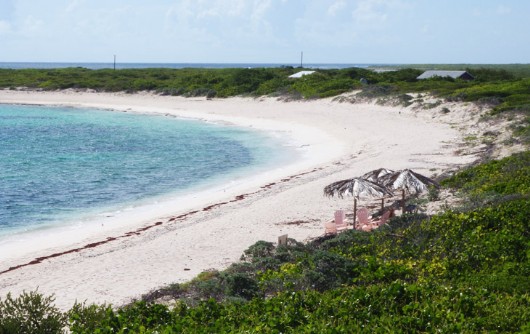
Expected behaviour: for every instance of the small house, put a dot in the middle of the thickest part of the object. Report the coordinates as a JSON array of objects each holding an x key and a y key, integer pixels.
[
  {"x": 464, "y": 75},
  {"x": 300, "y": 74}
]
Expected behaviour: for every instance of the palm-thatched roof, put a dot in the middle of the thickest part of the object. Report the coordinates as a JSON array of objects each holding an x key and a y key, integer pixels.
[
  {"x": 356, "y": 187},
  {"x": 408, "y": 180},
  {"x": 377, "y": 174}
]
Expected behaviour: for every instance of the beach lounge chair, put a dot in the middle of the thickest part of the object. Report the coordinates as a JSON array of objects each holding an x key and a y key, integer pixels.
[
  {"x": 382, "y": 220},
  {"x": 367, "y": 227},
  {"x": 340, "y": 222},
  {"x": 330, "y": 228},
  {"x": 362, "y": 217}
]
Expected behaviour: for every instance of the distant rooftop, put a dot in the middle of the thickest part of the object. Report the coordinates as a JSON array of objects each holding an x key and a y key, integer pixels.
[
  {"x": 452, "y": 74},
  {"x": 301, "y": 74}
]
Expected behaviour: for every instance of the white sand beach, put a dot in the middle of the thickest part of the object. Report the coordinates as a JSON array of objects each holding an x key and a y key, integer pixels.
[{"x": 134, "y": 252}]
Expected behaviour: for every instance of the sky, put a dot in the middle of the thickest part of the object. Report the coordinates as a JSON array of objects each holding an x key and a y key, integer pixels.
[{"x": 266, "y": 31}]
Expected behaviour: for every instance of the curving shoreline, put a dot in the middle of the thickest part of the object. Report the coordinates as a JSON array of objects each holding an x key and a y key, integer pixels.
[{"x": 175, "y": 241}]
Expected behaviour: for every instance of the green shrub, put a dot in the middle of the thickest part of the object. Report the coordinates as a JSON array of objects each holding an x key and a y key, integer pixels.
[
  {"x": 87, "y": 319},
  {"x": 508, "y": 176},
  {"x": 328, "y": 270},
  {"x": 378, "y": 91},
  {"x": 241, "y": 285},
  {"x": 258, "y": 250},
  {"x": 30, "y": 313},
  {"x": 397, "y": 306}
]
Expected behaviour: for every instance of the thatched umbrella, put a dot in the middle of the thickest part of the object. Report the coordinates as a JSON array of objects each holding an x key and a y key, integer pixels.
[
  {"x": 358, "y": 188},
  {"x": 377, "y": 176},
  {"x": 407, "y": 181}
]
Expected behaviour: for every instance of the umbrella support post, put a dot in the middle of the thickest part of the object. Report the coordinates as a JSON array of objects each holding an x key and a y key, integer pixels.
[
  {"x": 402, "y": 201},
  {"x": 354, "y": 211}
]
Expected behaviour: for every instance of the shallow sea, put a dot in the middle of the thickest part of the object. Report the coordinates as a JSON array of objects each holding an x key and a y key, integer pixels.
[{"x": 61, "y": 164}]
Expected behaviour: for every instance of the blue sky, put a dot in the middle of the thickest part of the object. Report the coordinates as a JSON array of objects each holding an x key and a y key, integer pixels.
[{"x": 266, "y": 31}]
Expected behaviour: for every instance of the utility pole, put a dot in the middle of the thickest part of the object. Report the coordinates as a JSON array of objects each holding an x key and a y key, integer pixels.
[
  {"x": 114, "y": 62},
  {"x": 302, "y": 59}
]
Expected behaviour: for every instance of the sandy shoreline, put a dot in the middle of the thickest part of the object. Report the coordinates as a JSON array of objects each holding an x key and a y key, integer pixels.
[{"x": 175, "y": 240}]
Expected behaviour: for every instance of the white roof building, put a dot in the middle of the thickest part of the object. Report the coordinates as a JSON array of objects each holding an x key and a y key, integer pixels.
[
  {"x": 301, "y": 74},
  {"x": 452, "y": 74}
]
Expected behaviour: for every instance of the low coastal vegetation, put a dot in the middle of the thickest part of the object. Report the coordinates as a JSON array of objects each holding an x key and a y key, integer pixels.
[{"x": 465, "y": 270}]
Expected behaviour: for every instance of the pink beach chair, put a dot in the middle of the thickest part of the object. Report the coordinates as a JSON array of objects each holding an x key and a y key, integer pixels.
[
  {"x": 362, "y": 217},
  {"x": 367, "y": 227},
  {"x": 367, "y": 224},
  {"x": 383, "y": 219},
  {"x": 340, "y": 222},
  {"x": 330, "y": 228}
]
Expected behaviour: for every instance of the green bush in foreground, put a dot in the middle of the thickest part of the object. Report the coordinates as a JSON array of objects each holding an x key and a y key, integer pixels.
[
  {"x": 395, "y": 307},
  {"x": 30, "y": 313}
]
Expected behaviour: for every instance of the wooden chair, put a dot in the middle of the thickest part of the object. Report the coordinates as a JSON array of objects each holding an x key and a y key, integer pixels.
[
  {"x": 340, "y": 220},
  {"x": 383, "y": 219},
  {"x": 330, "y": 228},
  {"x": 362, "y": 218}
]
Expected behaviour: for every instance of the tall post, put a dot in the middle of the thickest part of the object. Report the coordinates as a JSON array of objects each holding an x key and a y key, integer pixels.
[
  {"x": 302, "y": 59},
  {"x": 114, "y": 62},
  {"x": 402, "y": 201},
  {"x": 354, "y": 211}
]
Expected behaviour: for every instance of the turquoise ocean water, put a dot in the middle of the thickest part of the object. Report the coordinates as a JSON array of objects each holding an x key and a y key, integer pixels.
[{"x": 58, "y": 164}]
